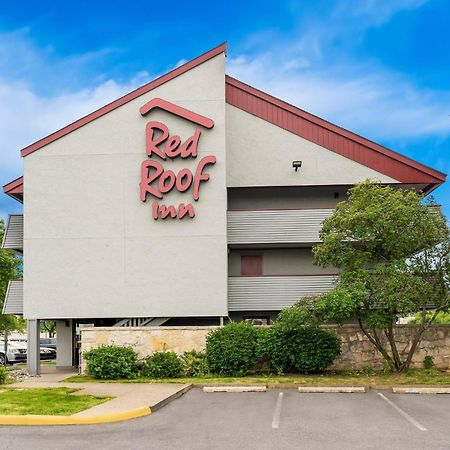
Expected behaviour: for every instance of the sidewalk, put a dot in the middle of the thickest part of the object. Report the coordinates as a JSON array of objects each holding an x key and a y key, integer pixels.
[{"x": 127, "y": 396}]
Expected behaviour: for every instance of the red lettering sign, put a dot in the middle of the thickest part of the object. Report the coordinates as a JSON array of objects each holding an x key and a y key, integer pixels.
[{"x": 155, "y": 180}]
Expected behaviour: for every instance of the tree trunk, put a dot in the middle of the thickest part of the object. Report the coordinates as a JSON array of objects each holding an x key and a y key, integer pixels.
[
  {"x": 375, "y": 340},
  {"x": 412, "y": 350},
  {"x": 389, "y": 333}
]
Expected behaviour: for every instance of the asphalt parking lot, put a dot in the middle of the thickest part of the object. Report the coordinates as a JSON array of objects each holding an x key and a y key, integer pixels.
[{"x": 276, "y": 419}]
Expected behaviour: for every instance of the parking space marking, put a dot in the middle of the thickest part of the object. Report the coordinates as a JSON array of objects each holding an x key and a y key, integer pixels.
[
  {"x": 277, "y": 412},
  {"x": 403, "y": 413}
]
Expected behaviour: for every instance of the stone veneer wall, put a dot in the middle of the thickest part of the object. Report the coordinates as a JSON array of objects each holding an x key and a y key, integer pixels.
[
  {"x": 357, "y": 351},
  {"x": 145, "y": 340}
]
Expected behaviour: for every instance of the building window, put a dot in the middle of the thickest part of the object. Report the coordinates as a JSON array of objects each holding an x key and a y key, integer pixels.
[{"x": 251, "y": 265}]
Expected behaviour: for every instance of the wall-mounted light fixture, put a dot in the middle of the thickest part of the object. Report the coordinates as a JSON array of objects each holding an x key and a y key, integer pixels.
[{"x": 296, "y": 165}]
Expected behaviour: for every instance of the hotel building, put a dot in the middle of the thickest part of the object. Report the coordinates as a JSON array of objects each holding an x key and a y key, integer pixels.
[{"x": 194, "y": 198}]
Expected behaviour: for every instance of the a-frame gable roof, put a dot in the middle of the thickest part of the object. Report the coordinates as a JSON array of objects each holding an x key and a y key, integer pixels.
[
  {"x": 277, "y": 112},
  {"x": 222, "y": 48},
  {"x": 329, "y": 136}
]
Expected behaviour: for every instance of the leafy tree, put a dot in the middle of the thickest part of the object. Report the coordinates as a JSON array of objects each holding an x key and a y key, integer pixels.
[
  {"x": 441, "y": 317},
  {"x": 393, "y": 252},
  {"x": 10, "y": 268},
  {"x": 48, "y": 326}
]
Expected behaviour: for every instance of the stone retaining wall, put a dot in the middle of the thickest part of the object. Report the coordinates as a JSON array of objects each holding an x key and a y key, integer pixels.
[
  {"x": 357, "y": 351},
  {"x": 145, "y": 340}
]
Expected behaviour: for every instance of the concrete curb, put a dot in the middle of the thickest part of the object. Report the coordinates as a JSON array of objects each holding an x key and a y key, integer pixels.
[
  {"x": 235, "y": 388},
  {"x": 73, "y": 420},
  {"x": 37, "y": 420},
  {"x": 331, "y": 389},
  {"x": 420, "y": 390},
  {"x": 171, "y": 397}
]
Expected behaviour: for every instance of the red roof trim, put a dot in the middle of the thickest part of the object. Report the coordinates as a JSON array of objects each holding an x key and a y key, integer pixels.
[
  {"x": 15, "y": 189},
  {"x": 328, "y": 135},
  {"x": 222, "y": 48},
  {"x": 13, "y": 185}
]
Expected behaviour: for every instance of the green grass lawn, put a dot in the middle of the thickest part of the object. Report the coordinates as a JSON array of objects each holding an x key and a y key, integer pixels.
[
  {"x": 414, "y": 376},
  {"x": 47, "y": 401}
]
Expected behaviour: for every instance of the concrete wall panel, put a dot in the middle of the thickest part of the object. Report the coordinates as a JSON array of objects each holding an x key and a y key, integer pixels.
[{"x": 92, "y": 248}]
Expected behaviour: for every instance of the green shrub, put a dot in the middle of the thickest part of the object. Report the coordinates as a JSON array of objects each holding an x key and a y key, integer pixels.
[
  {"x": 3, "y": 374},
  {"x": 303, "y": 349},
  {"x": 111, "y": 362},
  {"x": 299, "y": 315},
  {"x": 194, "y": 364},
  {"x": 162, "y": 365},
  {"x": 230, "y": 350},
  {"x": 428, "y": 362},
  {"x": 368, "y": 370}
]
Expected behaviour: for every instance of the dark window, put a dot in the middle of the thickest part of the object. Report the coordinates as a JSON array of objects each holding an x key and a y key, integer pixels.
[
  {"x": 251, "y": 265},
  {"x": 259, "y": 320}
]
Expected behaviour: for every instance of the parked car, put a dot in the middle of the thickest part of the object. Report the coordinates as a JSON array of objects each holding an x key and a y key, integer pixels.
[
  {"x": 48, "y": 353},
  {"x": 48, "y": 343},
  {"x": 16, "y": 353}
]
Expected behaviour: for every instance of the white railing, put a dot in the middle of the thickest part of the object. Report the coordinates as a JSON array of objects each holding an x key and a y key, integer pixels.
[
  {"x": 142, "y": 322},
  {"x": 13, "y": 237}
]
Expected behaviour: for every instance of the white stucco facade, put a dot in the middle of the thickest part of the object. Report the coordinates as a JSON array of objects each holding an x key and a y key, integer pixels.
[
  {"x": 92, "y": 248},
  {"x": 260, "y": 154}
]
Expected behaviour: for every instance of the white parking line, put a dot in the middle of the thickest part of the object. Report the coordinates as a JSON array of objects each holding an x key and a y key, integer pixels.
[
  {"x": 403, "y": 413},
  {"x": 277, "y": 412}
]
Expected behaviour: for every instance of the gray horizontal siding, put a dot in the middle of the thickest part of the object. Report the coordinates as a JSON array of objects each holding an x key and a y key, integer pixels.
[
  {"x": 275, "y": 226},
  {"x": 13, "y": 238},
  {"x": 274, "y": 293},
  {"x": 14, "y": 298}
]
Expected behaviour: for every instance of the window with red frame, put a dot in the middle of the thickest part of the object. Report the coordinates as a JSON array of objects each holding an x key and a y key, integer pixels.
[{"x": 251, "y": 265}]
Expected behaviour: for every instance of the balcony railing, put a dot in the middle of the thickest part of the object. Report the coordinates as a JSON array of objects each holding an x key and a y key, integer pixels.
[
  {"x": 282, "y": 226},
  {"x": 272, "y": 293},
  {"x": 13, "y": 238},
  {"x": 14, "y": 298}
]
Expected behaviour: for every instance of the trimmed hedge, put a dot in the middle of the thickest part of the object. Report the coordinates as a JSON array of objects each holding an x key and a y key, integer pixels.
[
  {"x": 292, "y": 344},
  {"x": 303, "y": 350},
  {"x": 111, "y": 362},
  {"x": 162, "y": 365},
  {"x": 230, "y": 350}
]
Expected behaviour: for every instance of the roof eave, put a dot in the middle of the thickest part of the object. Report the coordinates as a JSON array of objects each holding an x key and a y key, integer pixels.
[
  {"x": 15, "y": 189},
  {"x": 436, "y": 176}
]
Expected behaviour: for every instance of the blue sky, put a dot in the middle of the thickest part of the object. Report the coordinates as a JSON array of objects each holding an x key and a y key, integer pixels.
[{"x": 379, "y": 68}]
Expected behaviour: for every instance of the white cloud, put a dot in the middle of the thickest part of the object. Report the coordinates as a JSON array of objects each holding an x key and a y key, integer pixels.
[
  {"x": 365, "y": 98},
  {"x": 307, "y": 68},
  {"x": 180, "y": 63},
  {"x": 374, "y": 12},
  {"x": 26, "y": 116}
]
